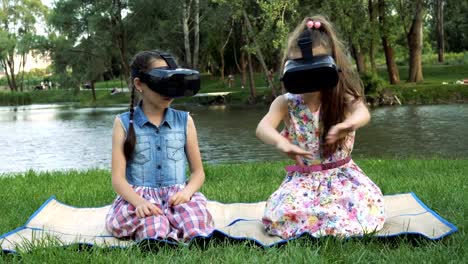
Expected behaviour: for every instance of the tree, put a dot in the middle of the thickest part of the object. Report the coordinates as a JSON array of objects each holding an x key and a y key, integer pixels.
[
  {"x": 411, "y": 19},
  {"x": 119, "y": 34},
  {"x": 187, "y": 15},
  {"x": 372, "y": 26},
  {"x": 86, "y": 40},
  {"x": 439, "y": 17},
  {"x": 392, "y": 69},
  {"x": 348, "y": 16},
  {"x": 17, "y": 34},
  {"x": 241, "y": 13},
  {"x": 258, "y": 52},
  {"x": 455, "y": 25},
  {"x": 218, "y": 28},
  {"x": 415, "y": 42},
  {"x": 439, "y": 10},
  {"x": 277, "y": 20}
]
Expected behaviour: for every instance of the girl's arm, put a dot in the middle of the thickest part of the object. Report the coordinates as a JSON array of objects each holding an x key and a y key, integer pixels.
[
  {"x": 119, "y": 182},
  {"x": 358, "y": 117},
  {"x": 266, "y": 131},
  {"x": 197, "y": 175}
]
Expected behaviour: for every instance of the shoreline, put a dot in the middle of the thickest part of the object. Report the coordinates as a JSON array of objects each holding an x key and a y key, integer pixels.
[{"x": 417, "y": 95}]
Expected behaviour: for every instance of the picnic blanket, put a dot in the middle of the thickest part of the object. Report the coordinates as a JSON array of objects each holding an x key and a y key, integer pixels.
[{"x": 405, "y": 215}]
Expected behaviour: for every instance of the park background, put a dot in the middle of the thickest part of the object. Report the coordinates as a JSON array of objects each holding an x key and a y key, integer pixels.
[{"x": 56, "y": 118}]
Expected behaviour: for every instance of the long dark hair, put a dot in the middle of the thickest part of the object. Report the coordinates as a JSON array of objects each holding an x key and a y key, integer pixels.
[
  {"x": 333, "y": 102},
  {"x": 140, "y": 62}
]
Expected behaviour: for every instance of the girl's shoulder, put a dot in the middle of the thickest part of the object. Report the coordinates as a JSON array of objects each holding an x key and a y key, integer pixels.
[
  {"x": 179, "y": 112},
  {"x": 124, "y": 119}
]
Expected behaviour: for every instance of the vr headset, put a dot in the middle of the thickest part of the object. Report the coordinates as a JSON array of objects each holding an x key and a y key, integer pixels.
[
  {"x": 309, "y": 73},
  {"x": 171, "y": 81}
]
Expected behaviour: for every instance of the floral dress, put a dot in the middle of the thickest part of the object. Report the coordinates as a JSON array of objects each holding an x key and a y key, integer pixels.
[{"x": 341, "y": 201}]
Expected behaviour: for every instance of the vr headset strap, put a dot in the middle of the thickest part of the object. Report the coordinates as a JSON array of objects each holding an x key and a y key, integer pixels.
[
  {"x": 169, "y": 59},
  {"x": 305, "y": 44}
]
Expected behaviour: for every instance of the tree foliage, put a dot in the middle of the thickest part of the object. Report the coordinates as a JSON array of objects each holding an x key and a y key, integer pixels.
[{"x": 91, "y": 40}]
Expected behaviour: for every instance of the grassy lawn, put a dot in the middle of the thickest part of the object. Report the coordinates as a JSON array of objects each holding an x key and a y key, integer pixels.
[
  {"x": 440, "y": 184},
  {"x": 433, "y": 74}
]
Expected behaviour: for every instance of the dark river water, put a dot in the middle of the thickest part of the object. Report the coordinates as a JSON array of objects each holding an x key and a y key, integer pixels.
[{"x": 56, "y": 137}]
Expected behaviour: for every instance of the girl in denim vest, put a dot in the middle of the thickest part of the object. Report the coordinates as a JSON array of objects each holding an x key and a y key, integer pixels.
[
  {"x": 150, "y": 146},
  {"x": 325, "y": 193}
]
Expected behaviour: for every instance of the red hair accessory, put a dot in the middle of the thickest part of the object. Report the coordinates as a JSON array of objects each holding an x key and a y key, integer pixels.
[{"x": 311, "y": 24}]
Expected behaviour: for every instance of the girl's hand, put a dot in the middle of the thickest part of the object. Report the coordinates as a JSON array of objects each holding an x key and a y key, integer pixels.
[
  {"x": 338, "y": 131},
  {"x": 294, "y": 152},
  {"x": 145, "y": 208},
  {"x": 179, "y": 198}
]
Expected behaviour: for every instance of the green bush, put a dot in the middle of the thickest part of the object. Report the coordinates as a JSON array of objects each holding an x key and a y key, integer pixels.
[
  {"x": 450, "y": 58},
  {"x": 37, "y": 97},
  {"x": 15, "y": 98},
  {"x": 430, "y": 93},
  {"x": 372, "y": 83}
]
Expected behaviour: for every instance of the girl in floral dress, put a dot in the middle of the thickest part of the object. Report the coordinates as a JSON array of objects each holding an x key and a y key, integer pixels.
[{"x": 325, "y": 193}]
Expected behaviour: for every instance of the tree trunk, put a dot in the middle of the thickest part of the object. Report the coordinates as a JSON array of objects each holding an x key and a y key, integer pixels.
[
  {"x": 415, "y": 44},
  {"x": 440, "y": 30},
  {"x": 21, "y": 70},
  {"x": 120, "y": 38},
  {"x": 93, "y": 91},
  {"x": 196, "y": 44},
  {"x": 7, "y": 75},
  {"x": 11, "y": 68},
  {"x": 222, "y": 49},
  {"x": 359, "y": 58},
  {"x": 259, "y": 53},
  {"x": 221, "y": 69},
  {"x": 185, "y": 27},
  {"x": 244, "y": 69},
  {"x": 253, "y": 92},
  {"x": 392, "y": 69},
  {"x": 372, "y": 20}
]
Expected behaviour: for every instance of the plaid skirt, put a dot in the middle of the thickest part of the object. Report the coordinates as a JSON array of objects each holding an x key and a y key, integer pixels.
[{"x": 180, "y": 223}]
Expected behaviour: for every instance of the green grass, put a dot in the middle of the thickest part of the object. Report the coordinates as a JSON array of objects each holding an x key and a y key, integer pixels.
[
  {"x": 441, "y": 184},
  {"x": 433, "y": 74}
]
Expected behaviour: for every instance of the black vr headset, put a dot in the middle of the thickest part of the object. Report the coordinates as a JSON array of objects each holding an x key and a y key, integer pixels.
[
  {"x": 171, "y": 81},
  {"x": 309, "y": 73}
]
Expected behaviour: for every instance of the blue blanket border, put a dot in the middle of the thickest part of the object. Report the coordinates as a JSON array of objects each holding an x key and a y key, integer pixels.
[{"x": 218, "y": 233}]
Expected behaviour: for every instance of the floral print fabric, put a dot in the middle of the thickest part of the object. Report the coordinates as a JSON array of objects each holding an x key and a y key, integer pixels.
[{"x": 341, "y": 202}]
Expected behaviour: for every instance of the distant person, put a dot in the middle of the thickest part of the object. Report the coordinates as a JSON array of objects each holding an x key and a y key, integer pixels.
[
  {"x": 271, "y": 75},
  {"x": 151, "y": 145},
  {"x": 114, "y": 91},
  {"x": 230, "y": 80},
  {"x": 325, "y": 192}
]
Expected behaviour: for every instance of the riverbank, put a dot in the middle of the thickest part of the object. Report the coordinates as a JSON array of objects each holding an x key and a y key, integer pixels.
[
  {"x": 439, "y": 87},
  {"x": 439, "y": 183}
]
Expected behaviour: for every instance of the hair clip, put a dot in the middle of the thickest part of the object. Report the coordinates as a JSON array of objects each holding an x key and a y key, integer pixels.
[{"x": 311, "y": 24}]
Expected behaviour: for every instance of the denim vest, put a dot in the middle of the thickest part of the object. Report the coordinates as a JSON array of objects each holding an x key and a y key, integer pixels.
[{"x": 159, "y": 158}]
